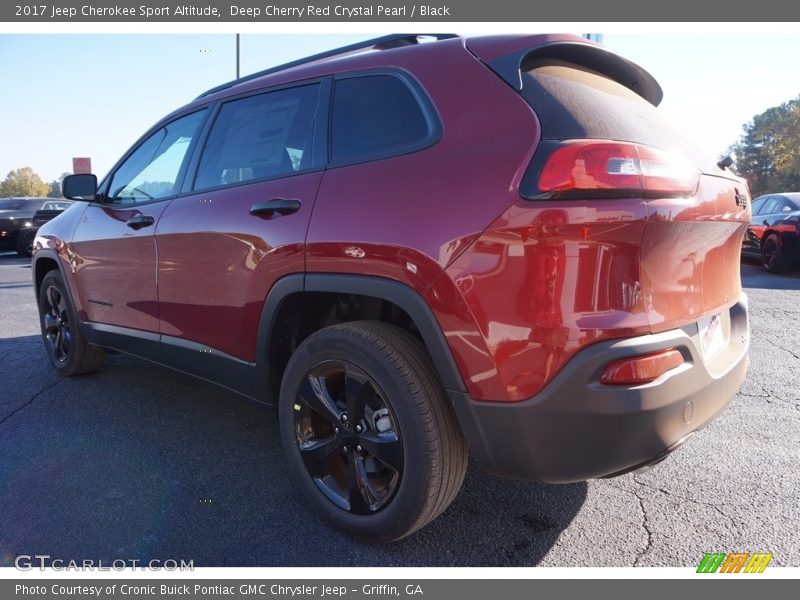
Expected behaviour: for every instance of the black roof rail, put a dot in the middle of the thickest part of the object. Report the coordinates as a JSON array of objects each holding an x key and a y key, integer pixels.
[{"x": 386, "y": 42}]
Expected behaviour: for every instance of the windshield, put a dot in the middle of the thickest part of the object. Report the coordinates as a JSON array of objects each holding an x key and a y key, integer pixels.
[{"x": 56, "y": 205}]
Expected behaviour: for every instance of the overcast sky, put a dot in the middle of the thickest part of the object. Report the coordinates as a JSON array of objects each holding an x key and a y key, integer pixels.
[{"x": 94, "y": 95}]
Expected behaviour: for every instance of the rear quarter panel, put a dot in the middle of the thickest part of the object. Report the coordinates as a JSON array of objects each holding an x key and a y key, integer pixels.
[
  {"x": 549, "y": 278},
  {"x": 406, "y": 218}
]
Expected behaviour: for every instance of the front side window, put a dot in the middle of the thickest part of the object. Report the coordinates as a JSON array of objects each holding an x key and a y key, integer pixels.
[
  {"x": 259, "y": 137},
  {"x": 374, "y": 116},
  {"x": 151, "y": 171}
]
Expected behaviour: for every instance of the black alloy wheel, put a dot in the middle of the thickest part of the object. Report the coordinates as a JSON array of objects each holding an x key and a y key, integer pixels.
[
  {"x": 348, "y": 438},
  {"x": 369, "y": 434},
  {"x": 56, "y": 326},
  {"x": 69, "y": 352}
]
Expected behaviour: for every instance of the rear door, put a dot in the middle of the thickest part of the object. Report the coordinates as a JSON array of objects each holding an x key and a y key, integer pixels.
[
  {"x": 114, "y": 251},
  {"x": 240, "y": 226}
]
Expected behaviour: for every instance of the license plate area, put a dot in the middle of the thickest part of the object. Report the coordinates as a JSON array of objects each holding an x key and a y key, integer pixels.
[{"x": 713, "y": 335}]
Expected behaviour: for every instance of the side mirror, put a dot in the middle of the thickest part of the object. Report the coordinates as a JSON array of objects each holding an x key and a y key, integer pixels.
[{"x": 79, "y": 187}]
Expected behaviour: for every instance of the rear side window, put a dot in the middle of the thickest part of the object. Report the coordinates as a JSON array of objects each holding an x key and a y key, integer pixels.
[
  {"x": 259, "y": 137},
  {"x": 375, "y": 116}
]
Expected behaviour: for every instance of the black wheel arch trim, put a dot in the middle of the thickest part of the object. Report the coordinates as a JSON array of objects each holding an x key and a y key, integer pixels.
[
  {"x": 50, "y": 254},
  {"x": 363, "y": 285},
  {"x": 260, "y": 376}
]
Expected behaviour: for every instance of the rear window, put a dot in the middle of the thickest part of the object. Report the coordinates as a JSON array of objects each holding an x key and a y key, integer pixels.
[
  {"x": 375, "y": 116},
  {"x": 576, "y": 103},
  {"x": 20, "y": 204},
  {"x": 11, "y": 204}
]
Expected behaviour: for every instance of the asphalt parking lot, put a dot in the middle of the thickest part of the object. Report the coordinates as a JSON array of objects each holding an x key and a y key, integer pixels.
[{"x": 138, "y": 462}]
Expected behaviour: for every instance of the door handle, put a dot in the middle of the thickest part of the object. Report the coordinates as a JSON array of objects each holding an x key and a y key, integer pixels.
[
  {"x": 281, "y": 206},
  {"x": 140, "y": 221}
]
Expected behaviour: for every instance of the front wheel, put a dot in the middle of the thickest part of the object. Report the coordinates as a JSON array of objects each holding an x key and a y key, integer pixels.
[
  {"x": 368, "y": 432},
  {"x": 69, "y": 352}
]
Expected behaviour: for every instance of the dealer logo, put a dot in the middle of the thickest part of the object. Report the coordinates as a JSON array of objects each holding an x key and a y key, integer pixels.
[{"x": 737, "y": 562}]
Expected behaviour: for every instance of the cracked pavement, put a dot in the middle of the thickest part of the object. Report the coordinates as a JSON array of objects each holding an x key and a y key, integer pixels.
[{"x": 140, "y": 462}]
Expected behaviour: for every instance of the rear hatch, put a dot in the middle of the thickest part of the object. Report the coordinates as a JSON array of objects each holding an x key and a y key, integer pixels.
[{"x": 603, "y": 143}]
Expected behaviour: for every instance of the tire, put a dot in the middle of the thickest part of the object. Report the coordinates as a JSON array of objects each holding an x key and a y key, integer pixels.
[
  {"x": 772, "y": 258},
  {"x": 68, "y": 351},
  {"x": 25, "y": 239},
  {"x": 394, "y": 464}
]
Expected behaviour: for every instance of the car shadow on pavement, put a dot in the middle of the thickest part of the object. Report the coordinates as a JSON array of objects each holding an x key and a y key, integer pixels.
[
  {"x": 139, "y": 463},
  {"x": 754, "y": 276},
  {"x": 493, "y": 522},
  {"x": 14, "y": 258}
]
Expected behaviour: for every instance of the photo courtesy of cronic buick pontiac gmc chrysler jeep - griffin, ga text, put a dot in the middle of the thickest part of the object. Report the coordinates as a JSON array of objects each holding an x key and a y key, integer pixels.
[{"x": 492, "y": 246}]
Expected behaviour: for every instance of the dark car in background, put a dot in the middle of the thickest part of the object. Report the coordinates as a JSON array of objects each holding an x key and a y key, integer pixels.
[
  {"x": 774, "y": 232},
  {"x": 20, "y": 218}
]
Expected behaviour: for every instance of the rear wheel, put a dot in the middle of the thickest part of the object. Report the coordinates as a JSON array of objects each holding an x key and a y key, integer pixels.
[
  {"x": 25, "y": 242},
  {"x": 69, "y": 352},
  {"x": 772, "y": 258},
  {"x": 368, "y": 432}
]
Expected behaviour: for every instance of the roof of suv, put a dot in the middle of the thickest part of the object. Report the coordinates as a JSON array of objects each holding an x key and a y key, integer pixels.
[
  {"x": 502, "y": 53},
  {"x": 382, "y": 43},
  {"x": 374, "y": 52}
]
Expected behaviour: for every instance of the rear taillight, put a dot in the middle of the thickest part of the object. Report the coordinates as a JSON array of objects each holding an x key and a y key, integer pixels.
[{"x": 600, "y": 166}]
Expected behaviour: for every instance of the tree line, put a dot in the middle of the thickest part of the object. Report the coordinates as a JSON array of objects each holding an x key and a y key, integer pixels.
[
  {"x": 768, "y": 152},
  {"x": 26, "y": 182}
]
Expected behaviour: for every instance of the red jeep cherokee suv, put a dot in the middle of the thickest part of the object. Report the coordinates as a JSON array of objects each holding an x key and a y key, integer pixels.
[{"x": 492, "y": 244}]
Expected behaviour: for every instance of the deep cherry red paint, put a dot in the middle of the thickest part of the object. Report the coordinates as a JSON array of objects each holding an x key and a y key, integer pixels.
[{"x": 517, "y": 286}]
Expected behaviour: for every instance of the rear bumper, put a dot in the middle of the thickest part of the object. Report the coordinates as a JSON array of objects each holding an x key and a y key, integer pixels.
[{"x": 577, "y": 429}]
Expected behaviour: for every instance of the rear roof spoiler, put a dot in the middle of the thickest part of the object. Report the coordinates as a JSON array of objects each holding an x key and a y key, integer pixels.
[{"x": 591, "y": 56}]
